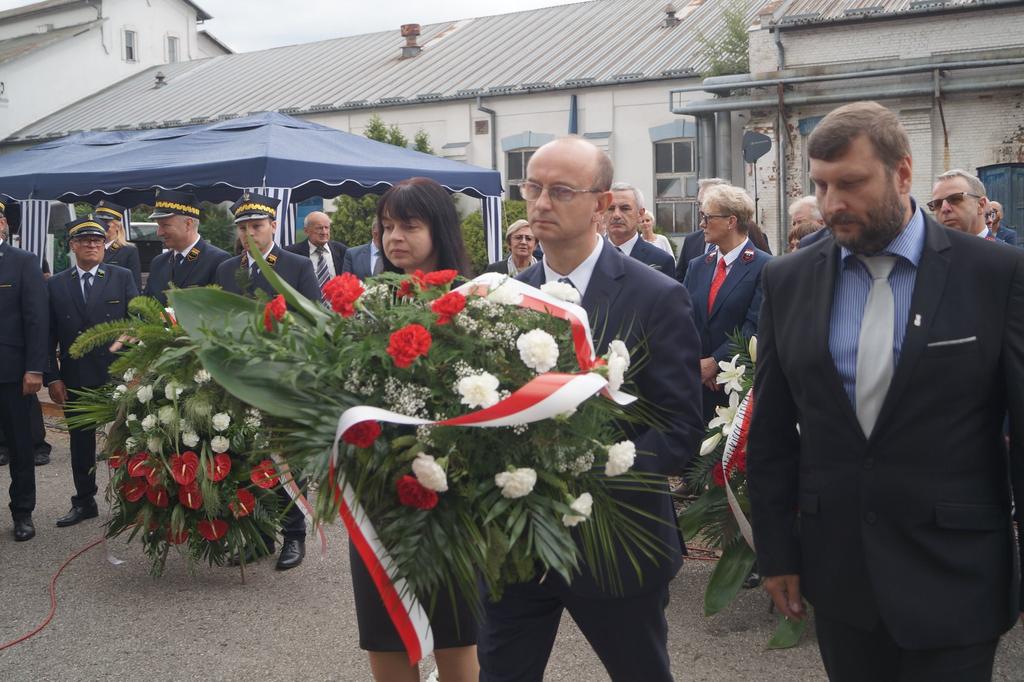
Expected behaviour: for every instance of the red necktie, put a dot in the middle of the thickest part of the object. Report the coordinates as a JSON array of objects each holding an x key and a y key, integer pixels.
[{"x": 716, "y": 283}]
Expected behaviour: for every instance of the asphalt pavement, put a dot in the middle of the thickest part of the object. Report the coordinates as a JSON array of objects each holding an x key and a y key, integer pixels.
[{"x": 117, "y": 622}]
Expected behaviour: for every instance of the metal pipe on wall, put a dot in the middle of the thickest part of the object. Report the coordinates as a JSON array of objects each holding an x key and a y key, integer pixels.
[
  {"x": 723, "y": 145},
  {"x": 706, "y": 146}
]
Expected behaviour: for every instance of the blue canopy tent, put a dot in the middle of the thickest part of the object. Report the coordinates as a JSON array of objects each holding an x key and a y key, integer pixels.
[{"x": 289, "y": 158}]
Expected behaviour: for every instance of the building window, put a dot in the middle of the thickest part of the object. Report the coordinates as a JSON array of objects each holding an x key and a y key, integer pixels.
[
  {"x": 172, "y": 49},
  {"x": 131, "y": 46},
  {"x": 515, "y": 171},
  {"x": 675, "y": 176}
]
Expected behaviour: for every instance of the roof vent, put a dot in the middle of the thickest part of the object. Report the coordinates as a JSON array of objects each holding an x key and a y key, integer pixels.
[
  {"x": 670, "y": 16},
  {"x": 410, "y": 32},
  {"x": 161, "y": 80}
]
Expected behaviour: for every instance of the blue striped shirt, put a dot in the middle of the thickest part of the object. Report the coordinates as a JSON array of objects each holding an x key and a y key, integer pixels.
[{"x": 853, "y": 284}]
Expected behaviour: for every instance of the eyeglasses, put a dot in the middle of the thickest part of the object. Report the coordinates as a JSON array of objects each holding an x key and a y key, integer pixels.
[
  {"x": 521, "y": 238},
  {"x": 954, "y": 199},
  {"x": 531, "y": 191},
  {"x": 704, "y": 217}
]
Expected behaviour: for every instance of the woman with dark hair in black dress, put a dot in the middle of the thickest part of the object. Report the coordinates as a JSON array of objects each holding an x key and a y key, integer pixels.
[{"x": 420, "y": 230}]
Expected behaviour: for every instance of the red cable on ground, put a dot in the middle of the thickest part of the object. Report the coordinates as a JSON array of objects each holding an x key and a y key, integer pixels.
[{"x": 53, "y": 596}]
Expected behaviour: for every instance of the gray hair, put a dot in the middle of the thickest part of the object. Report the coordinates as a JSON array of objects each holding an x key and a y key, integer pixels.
[
  {"x": 711, "y": 182},
  {"x": 626, "y": 187},
  {"x": 811, "y": 202},
  {"x": 733, "y": 200},
  {"x": 515, "y": 227},
  {"x": 975, "y": 185}
]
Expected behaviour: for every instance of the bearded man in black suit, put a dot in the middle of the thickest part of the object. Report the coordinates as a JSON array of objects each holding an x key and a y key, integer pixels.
[{"x": 880, "y": 482}]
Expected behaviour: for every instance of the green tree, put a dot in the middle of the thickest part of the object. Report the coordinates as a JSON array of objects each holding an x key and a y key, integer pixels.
[
  {"x": 217, "y": 226},
  {"x": 473, "y": 232},
  {"x": 421, "y": 142},
  {"x": 728, "y": 51}
]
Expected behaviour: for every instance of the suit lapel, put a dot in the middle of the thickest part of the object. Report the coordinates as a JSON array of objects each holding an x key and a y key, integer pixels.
[
  {"x": 74, "y": 288},
  {"x": 183, "y": 274},
  {"x": 822, "y": 284},
  {"x": 602, "y": 290},
  {"x": 98, "y": 286},
  {"x": 932, "y": 272},
  {"x": 739, "y": 272}
]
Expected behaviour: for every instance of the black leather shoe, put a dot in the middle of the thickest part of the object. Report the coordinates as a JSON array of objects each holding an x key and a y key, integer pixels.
[
  {"x": 77, "y": 515},
  {"x": 23, "y": 529},
  {"x": 252, "y": 555},
  {"x": 42, "y": 458},
  {"x": 292, "y": 552}
]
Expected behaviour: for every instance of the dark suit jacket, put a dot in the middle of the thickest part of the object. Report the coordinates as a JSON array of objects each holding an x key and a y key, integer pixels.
[
  {"x": 911, "y": 525},
  {"x": 193, "y": 273},
  {"x": 1007, "y": 235},
  {"x": 814, "y": 236},
  {"x": 337, "y": 250},
  {"x": 25, "y": 326},
  {"x": 693, "y": 246},
  {"x": 651, "y": 255},
  {"x": 629, "y": 300},
  {"x": 112, "y": 289},
  {"x": 294, "y": 269},
  {"x": 357, "y": 261},
  {"x": 126, "y": 256},
  {"x": 499, "y": 266}
]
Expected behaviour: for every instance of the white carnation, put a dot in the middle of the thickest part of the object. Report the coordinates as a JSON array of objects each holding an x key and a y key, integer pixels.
[
  {"x": 479, "y": 390},
  {"x": 516, "y": 483},
  {"x": 429, "y": 473},
  {"x": 153, "y": 443},
  {"x": 221, "y": 421},
  {"x": 582, "y": 505},
  {"x": 562, "y": 291},
  {"x": 168, "y": 415},
  {"x": 190, "y": 439},
  {"x": 145, "y": 393},
  {"x": 132, "y": 418},
  {"x": 620, "y": 458},
  {"x": 504, "y": 294},
  {"x": 172, "y": 391},
  {"x": 219, "y": 444},
  {"x": 617, "y": 349},
  {"x": 130, "y": 443},
  {"x": 202, "y": 376},
  {"x": 616, "y": 372},
  {"x": 538, "y": 350},
  {"x": 149, "y": 422},
  {"x": 119, "y": 391},
  {"x": 129, "y": 375}
]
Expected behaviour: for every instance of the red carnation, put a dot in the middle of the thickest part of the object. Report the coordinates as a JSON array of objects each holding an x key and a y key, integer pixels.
[
  {"x": 212, "y": 530},
  {"x": 133, "y": 491},
  {"x": 342, "y": 292},
  {"x": 439, "y": 277},
  {"x": 264, "y": 474},
  {"x": 448, "y": 306},
  {"x": 117, "y": 459},
  {"x": 244, "y": 504},
  {"x": 718, "y": 475},
  {"x": 274, "y": 310},
  {"x": 408, "y": 343},
  {"x": 218, "y": 467},
  {"x": 190, "y": 496},
  {"x": 738, "y": 461},
  {"x": 406, "y": 289},
  {"x": 157, "y": 496},
  {"x": 177, "y": 538},
  {"x": 411, "y": 493},
  {"x": 139, "y": 466},
  {"x": 184, "y": 467},
  {"x": 363, "y": 434}
]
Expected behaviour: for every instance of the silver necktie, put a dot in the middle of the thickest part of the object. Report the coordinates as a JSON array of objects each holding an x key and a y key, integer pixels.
[{"x": 875, "y": 348}]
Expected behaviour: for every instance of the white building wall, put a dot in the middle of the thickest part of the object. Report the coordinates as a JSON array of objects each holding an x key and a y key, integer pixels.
[{"x": 40, "y": 22}]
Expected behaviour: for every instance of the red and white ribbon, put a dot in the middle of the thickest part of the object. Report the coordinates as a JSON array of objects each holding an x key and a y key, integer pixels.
[{"x": 736, "y": 443}]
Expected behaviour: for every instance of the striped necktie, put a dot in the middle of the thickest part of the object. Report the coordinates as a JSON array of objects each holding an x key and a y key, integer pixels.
[{"x": 322, "y": 272}]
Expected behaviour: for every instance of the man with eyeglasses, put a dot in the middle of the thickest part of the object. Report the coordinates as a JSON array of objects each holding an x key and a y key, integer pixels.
[
  {"x": 622, "y": 224},
  {"x": 568, "y": 182},
  {"x": 994, "y": 220},
  {"x": 959, "y": 201},
  {"x": 693, "y": 243}
]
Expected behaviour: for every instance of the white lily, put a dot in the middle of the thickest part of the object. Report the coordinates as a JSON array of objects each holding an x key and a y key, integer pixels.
[
  {"x": 710, "y": 443},
  {"x": 752, "y": 349},
  {"x": 731, "y": 374},
  {"x": 726, "y": 415}
]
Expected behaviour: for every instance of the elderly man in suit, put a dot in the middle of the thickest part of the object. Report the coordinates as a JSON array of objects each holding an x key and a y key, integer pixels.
[
  {"x": 725, "y": 285},
  {"x": 23, "y": 338},
  {"x": 119, "y": 251},
  {"x": 693, "y": 243},
  {"x": 256, "y": 220},
  {"x": 327, "y": 255},
  {"x": 567, "y": 183},
  {"x": 81, "y": 297},
  {"x": 189, "y": 261},
  {"x": 622, "y": 225},
  {"x": 960, "y": 201},
  {"x": 1004, "y": 233},
  {"x": 880, "y": 482},
  {"x": 365, "y": 260}
]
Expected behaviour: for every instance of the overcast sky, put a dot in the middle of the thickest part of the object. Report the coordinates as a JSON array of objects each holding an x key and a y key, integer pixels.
[{"x": 259, "y": 24}]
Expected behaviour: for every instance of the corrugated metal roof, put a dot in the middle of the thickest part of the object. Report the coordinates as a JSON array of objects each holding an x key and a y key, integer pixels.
[
  {"x": 584, "y": 44},
  {"x": 797, "y": 12},
  {"x": 13, "y": 48}
]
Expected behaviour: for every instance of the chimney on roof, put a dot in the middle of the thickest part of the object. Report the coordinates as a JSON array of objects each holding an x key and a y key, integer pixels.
[
  {"x": 161, "y": 80},
  {"x": 410, "y": 32},
  {"x": 670, "y": 16}
]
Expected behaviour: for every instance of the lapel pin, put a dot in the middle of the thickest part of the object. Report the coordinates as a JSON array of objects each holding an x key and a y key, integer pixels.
[
  {"x": 711, "y": 257},
  {"x": 917, "y": 320},
  {"x": 271, "y": 259},
  {"x": 747, "y": 255},
  {"x": 193, "y": 254}
]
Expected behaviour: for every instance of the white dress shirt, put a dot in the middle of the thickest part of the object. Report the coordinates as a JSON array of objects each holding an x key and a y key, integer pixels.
[
  {"x": 81, "y": 273},
  {"x": 627, "y": 247},
  {"x": 580, "y": 277},
  {"x": 731, "y": 256}
]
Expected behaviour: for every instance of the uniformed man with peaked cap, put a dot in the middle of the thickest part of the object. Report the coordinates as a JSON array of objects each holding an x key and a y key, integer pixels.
[
  {"x": 256, "y": 220},
  {"x": 189, "y": 261},
  {"x": 118, "y": 250}
]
